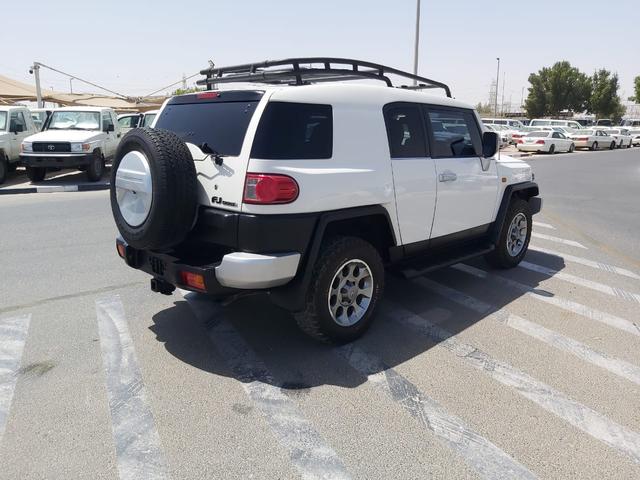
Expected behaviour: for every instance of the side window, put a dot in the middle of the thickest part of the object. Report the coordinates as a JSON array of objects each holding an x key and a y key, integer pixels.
[
  {"x": 128, "y": 122},
  {"x": 454, "y": 133},
  {"x": 556, "y": 135},
  {"x": 405, "y": 131},
  {"x": 17, "y": 122},
  {"x": 106, "y": 120},
  {"x": 289, "y": 131}
]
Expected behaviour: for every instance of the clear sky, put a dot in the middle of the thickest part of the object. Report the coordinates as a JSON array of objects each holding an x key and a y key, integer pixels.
[{"x": 135, "y": 47}]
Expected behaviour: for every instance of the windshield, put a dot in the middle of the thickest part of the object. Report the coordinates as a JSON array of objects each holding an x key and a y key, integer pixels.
[
  {"x": 540, "y": 123},
  {"x": 221, "y": 125},
  {"x": 538, "y": 134},
  {"x": 3, "y": 121},
  {"x": 148, "y": 119},
  {"x": 67, "y": 120}
]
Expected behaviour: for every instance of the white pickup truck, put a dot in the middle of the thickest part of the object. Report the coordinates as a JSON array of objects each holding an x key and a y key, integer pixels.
[
  {"x": 15, "y": 125},
  {"x": 73, "y": 137}
]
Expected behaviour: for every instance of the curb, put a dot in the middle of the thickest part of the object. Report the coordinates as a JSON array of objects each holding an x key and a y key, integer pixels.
[{"x": 55, "y": 188}]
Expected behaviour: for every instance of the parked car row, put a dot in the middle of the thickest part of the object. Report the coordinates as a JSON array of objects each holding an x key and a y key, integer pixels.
[
  {"x": 71, "y": 137},
  {"x": 555, "y": 136}
]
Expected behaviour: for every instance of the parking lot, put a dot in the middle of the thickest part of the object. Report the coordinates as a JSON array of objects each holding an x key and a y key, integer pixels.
[{"x": 467, "y": 373}]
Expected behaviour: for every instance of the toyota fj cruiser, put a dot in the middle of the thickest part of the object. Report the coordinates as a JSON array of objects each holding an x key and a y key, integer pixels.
[
  {"x": 15, "y": 125},
  {"x": 73, "y": 137},
  {"x": 309, "y": 190}
]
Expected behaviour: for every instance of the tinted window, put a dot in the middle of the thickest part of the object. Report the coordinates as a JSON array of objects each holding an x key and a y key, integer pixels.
[
  {"x": 405, "y": 131},
  {"x": 148, "y": 119},
  {"x": 455, "y": 133},
  {"x": 221, "y": 125},
  {"x": 289, "y": 131},
  {"x": 17, "y": 120}
]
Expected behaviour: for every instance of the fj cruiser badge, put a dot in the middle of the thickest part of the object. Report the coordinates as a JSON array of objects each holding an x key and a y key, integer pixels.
[{"x": 219, "y": 201}]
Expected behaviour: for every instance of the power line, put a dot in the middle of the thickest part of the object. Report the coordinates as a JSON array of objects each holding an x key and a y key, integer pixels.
[
  {"x": 126, "y": 97},
  {"x": 183, "y": 79}
]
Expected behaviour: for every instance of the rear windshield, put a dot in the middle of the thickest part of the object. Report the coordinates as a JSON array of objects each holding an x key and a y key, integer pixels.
[
  {"x": 290, "y": 131},
  {"x": 221, "y": 125},
  {"x": 539, "y": 134}
]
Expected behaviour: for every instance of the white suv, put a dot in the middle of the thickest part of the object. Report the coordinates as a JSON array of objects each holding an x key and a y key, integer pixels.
[
  {"x": 15, "y": 125},
  {"x": 310, "y": 192},
  {"x": 73, "y": 137}
]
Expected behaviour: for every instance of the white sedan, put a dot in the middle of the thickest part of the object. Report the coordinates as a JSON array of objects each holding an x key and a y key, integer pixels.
[
  {"x": 623, "y": 139},
  {"x": 545, "y": 141},
  {"x": 593, "y": 139},
  {"x": 635, "y": 137}
]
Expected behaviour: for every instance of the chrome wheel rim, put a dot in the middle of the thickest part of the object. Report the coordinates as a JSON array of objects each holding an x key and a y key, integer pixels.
[
  {"x": 134, "y": 188},
  {"x": 350, "y": 293},
  {"x": 517, "y": 234}
]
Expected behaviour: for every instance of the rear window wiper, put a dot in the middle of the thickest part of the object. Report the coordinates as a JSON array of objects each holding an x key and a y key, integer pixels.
[{"x": 217, "y": 158}]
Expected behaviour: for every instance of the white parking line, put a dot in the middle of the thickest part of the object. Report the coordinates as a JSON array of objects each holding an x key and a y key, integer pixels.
[
  {"x": 580, "y": 416},
  {"x": 543, "y": 225},
  {"x": 568, "y": 305},
  {"x": 139, "y": 452},
  {"x": 571, "y": 243},
  {"x": 582, "y": 282},
  {"x": 486, "y": 458},
  {"x": 308, "y": 451},
  {"x": 589, "y": 263},
  {"x": 561, "y": 342},
  {"x": 13, "y": 334}
]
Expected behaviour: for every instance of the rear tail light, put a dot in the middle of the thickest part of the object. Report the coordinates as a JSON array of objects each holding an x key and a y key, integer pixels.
[
  {"x": 121, "y": 250},
  {"x": 205, "y": 95},
  {"x": 193, "y": 280},
  {"x": 520, "y": 140},
  {"x": 582, "y": 139},
  {"x": 539, "y": 142},
  {"x": 269, "y": 189}
]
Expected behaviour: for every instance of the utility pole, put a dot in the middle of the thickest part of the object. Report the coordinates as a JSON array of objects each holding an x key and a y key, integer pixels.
[
  {"x": 184, "y": 82},
  {"x": 504, "y": 81},
  {"x": 495, "y": 107},
  {"x": 415, "y": 50},
  {"x": 71, "y": 85},
  {"x": 35, "y": 70}
]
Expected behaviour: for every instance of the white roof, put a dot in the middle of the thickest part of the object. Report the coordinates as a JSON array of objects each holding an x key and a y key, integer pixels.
[{"x": 81, "y": 109}]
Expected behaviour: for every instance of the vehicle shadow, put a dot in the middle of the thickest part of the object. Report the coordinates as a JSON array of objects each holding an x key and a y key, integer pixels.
[
  {"x": 64, "y": 177},
  {"x": 297, "y": 363}
]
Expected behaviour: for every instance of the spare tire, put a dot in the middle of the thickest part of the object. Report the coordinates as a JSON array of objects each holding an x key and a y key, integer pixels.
[{"x": 154, "y": 195}]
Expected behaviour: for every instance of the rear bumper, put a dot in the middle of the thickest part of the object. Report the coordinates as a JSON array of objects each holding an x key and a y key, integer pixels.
[
  {"x": 230, "y": 273},
  {"x": 523, "y": 147},
  {"x": 61, "y": 160}
]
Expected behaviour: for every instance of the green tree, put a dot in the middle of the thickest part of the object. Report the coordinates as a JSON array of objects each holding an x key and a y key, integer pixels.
[
  {"x": 557, "y": 88},
  {"x": 605, "y": 102},
  {"x": 636, "y": 88},
  {"x": 182, "y": 91},
  {"x": 484, "y": 109}
]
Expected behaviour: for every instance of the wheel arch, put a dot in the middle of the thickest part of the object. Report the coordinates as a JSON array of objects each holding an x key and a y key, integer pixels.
[{"x": 528, "y": 191}]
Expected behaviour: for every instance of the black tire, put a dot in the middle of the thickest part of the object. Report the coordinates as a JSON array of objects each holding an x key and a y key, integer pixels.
[
  {"x": 95, "y": 169},
  {"x": 174, "y": 198},
  {"x": 501, "y": 257},
  {"x": 572, "y": 147},
  {"x": 594, "y": 146},
  {"x": 4, "y": 169},
  {"x": 552, "y": 149},
  {"x": 612, "y": 146},
  {"x": 36, "y": 174},
  {"x": 316, "y": 319}
]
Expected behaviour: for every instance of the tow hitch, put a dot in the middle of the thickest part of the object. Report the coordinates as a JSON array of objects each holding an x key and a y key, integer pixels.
[{"x": 160, "y": 286}]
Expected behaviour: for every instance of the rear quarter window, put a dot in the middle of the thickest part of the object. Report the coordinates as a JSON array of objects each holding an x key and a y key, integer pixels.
[{"x": 291, "y": 131}]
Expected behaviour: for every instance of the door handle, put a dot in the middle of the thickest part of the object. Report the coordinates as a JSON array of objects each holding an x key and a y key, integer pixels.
[{"x": 447, "y": 177}]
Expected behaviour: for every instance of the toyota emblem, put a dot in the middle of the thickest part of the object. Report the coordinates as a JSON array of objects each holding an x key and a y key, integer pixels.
[{"x": 51, "y": 148}]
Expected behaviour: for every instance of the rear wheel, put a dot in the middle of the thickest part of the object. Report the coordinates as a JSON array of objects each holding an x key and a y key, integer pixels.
[
  {"x": 36, "y": 174},
  {"x": 95, "y": 169},
  {"x": 552, "y": 149},
  {"x": 348, "y": 280},
  {"x": 513, "y": 241},
  {"x": 572, "y": 147},
  {"x": 594, "y": 146},
  {"x": 612, "y": 146}
]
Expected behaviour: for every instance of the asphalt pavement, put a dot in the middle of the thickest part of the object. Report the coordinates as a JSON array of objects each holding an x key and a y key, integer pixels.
[{"x": 467, "y": 372}]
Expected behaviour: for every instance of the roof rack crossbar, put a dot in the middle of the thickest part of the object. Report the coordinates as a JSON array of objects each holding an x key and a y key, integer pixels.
[{"x": 293, "y": 72}]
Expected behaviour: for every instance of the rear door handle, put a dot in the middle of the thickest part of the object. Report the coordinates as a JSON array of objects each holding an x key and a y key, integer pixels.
[{"x": 447, "y": 177}]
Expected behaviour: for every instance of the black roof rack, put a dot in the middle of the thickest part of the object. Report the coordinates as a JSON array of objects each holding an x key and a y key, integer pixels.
[{"x": 306, "y": 70}]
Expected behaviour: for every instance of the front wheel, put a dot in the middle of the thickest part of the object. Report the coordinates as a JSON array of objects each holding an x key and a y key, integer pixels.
[
  {"x": 348, "y": 281},
  {"x": 572, "y": 147},
  {"x": 95, "y": 169},
  {"x": 4, "y": 168},
  {"x": 36, "y": 174},
  {"x": 514, "y": 237}
]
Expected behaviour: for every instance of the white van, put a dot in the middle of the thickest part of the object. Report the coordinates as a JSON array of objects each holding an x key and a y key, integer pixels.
[
  {"x": 514, "y": 124},
  {"x": 546, "y": 122}
]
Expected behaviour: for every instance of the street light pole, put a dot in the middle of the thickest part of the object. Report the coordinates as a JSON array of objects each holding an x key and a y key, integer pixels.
[
  {"x": 71, "y": 85},
  {"x": 35, "y": 69},
  {"x": 415, "y": 50},
  {"x": 495, "y": 109}
]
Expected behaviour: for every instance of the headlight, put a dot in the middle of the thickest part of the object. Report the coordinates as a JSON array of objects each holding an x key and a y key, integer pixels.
[
  {"x": 26, "y": 147},
  {"x": 80, "y": 147}
]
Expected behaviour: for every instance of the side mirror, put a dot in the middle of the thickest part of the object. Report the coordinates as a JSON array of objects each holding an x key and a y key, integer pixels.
[
  {"x": 17, "y": 128},
  {"x": 109, "y": 128},
  {"x": 489, "y": 144}
]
